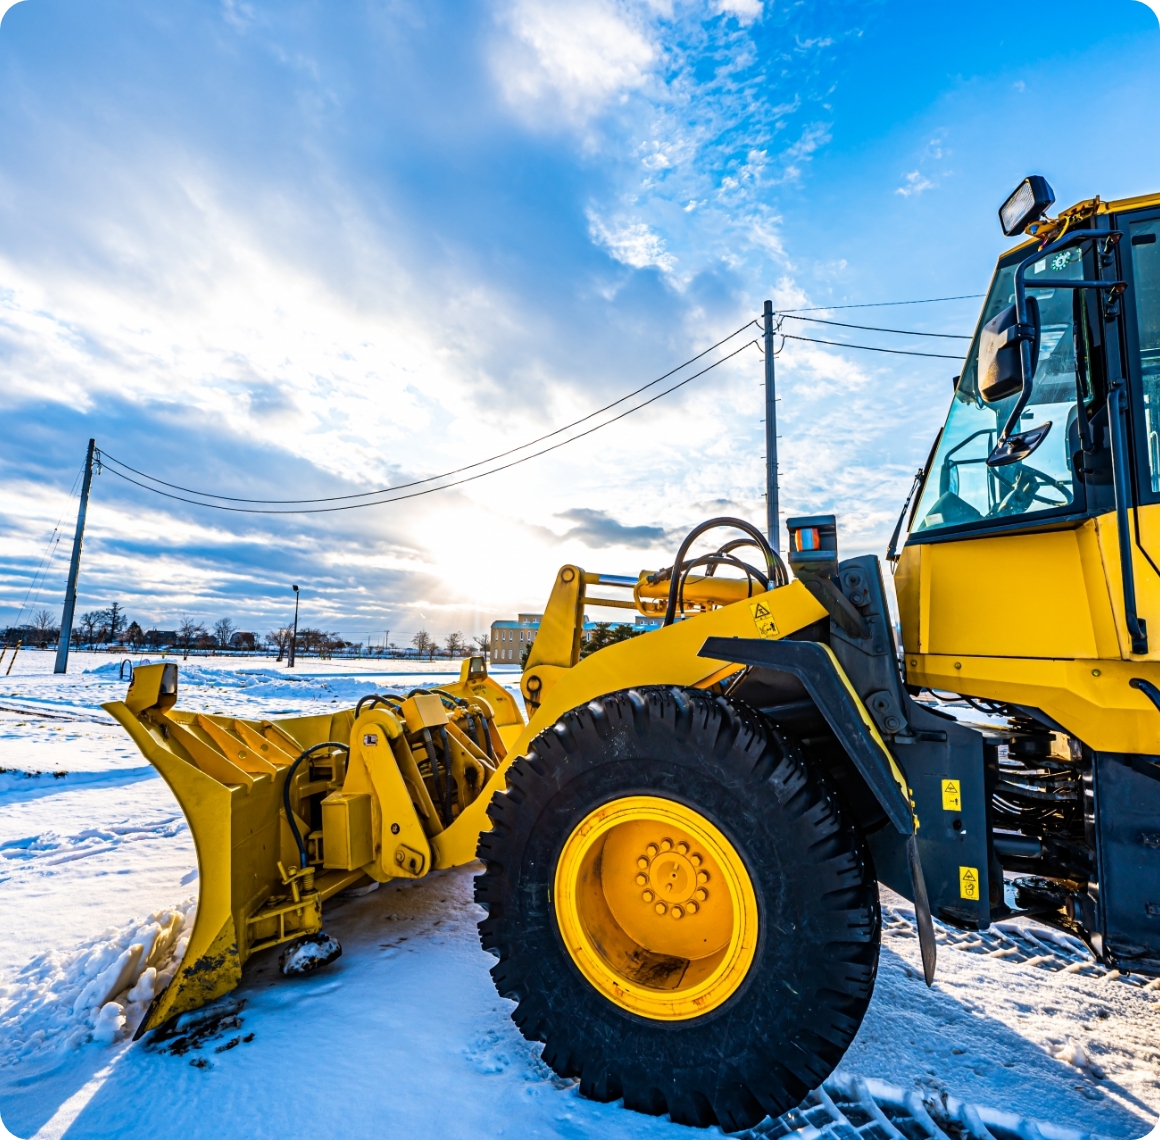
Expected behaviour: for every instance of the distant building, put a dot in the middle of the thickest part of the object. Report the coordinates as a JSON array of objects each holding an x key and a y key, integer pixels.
[{"x": 509, "y": 639}]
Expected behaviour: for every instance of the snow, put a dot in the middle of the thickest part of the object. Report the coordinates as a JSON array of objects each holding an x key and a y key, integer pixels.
[{"x": 404, "y": 1033}]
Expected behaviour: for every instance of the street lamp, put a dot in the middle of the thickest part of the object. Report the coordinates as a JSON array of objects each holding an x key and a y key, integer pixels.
[{"x": 294, "y": 638}]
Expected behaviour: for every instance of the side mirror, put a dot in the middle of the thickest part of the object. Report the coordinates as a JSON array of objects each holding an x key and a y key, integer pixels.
[{"x": 1000, "y": 355}]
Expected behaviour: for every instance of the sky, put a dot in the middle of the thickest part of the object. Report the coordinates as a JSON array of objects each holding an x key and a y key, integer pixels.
[{"x": 311, "y": 249}]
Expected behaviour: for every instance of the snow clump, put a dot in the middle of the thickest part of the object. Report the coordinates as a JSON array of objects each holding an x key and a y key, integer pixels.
[{"x": 97, "y": 992}]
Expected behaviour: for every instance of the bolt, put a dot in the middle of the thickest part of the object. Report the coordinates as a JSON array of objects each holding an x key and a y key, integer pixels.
[
  {"x": 651, "y": 850},
  {"x": 641, "y": 880},
  {"x": 666, "y": 844},
  {"x": 702, "y": 877},
  {"x": 695, "y": 860},
  {"x": 399, "y": 856},
  {"x": 648, "y": 896},
  {"x": 677, "y": 912},
  {"x": 691, "y": 907},
  {"x": 700, "y": 896},
  {"x": 642, "y": 863},
  {"x": 682, "y": 848},
  {"x": 661, "y": 908}
]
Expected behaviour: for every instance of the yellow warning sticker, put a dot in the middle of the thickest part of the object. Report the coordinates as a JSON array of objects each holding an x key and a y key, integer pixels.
[
  {"x": 952, "y": 801},
  {"x": 969, "y": 883},
  {"x": 763, "y": 619}
]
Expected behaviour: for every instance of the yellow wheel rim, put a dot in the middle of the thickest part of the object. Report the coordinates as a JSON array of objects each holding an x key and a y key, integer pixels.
[{"x": 656, "y": 908}]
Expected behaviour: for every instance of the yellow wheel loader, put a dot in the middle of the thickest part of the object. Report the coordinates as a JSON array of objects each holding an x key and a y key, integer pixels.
[{"x": 681, "y": 845}]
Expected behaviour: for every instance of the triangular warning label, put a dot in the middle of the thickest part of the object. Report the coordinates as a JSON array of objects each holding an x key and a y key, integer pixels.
[{"x": 759, "y": 611}]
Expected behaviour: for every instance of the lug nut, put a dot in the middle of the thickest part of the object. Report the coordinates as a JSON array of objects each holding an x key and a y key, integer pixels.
[
  {"x": 691, "y": 907},
  {"x": 700, "y": 896},
  {"x": 695, "y": 860},
  {"x": 702, "y": 876},
  {"x": 666, "y": 844},
  {"x": 682, "y": 848},
  {"x": 642, "y": 863},
  {"x": 661, "y": 908},
  {"x": 648, "y": 896},
  {"x": 641, "y": 880},
  {"x": 677, "y": 912},
  {"x": 651, "y": 850}
]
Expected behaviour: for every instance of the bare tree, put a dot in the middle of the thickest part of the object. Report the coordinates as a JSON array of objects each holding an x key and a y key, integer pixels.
[
  {"x": 135, "y": 635},
  {"x": 189, "y": 632},
  {"x": 223, "y": 630},
  {"x": 90, "y": 624},
  {"x": 45, "y": 627},
  {"x": 456, "y": 645},
  {"x": 280, "y": 639},
  {"x": 424, "y": 643},
  {"x": 483, "y": 643}
]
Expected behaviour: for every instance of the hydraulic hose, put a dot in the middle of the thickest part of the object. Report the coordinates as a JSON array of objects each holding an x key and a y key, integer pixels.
[
  {"x": 286, "y": 792},
  {"x": 776, "y": 568}
]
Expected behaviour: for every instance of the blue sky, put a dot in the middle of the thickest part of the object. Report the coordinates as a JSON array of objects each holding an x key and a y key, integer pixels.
[{"x": 305, "y": 249}]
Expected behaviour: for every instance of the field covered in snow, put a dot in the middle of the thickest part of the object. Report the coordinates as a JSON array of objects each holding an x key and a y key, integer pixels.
[{"x": 404, "y": 1034}]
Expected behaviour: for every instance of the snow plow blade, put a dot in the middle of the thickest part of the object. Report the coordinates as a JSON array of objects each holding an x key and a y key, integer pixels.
[{"x": 285, "y": 814}]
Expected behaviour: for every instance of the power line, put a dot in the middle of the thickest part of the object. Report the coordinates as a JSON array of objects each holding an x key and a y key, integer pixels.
[
  {"x": 874, "y": 328},
  {"x": 871, "y": 348},
  {"x": 444, "y": 486},
  {"x": 888, "y": 304},
  {"x": 445, "y": 474},
  {"x": 50, "y": 550}
]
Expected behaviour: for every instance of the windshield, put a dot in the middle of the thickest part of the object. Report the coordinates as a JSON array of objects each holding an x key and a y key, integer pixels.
[{"x": 960, "y": 488}]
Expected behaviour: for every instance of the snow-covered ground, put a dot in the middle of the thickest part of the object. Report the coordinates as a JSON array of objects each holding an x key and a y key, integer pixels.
[{"x": 404, "y": 1034}]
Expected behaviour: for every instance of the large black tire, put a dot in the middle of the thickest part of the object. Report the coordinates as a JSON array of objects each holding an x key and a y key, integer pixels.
[{"x": 788, "y": 1024}]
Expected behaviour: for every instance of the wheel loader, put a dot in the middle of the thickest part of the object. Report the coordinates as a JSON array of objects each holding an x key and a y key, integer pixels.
[{"x": 682, "y": 835}]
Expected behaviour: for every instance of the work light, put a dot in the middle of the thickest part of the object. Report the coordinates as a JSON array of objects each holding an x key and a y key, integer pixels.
[{"x": 1031, "y": 198}]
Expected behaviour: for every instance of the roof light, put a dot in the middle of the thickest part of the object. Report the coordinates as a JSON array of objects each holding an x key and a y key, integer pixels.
[{"x": 1031, "y": 198}]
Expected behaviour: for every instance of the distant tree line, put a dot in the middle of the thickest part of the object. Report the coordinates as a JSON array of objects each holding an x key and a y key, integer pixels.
[{"x": 111, "y": 629}]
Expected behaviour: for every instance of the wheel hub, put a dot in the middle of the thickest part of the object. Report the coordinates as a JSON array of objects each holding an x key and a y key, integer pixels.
[
  {"x": 656, "y": 907},
  {"x": 673, "y": 878}
]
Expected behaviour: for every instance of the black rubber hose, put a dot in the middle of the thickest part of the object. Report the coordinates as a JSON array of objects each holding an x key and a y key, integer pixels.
[
  {"x": 777, "y": 571},
  {"x": 286, "y": 792},
  {"x": 371, "y": 699},
  {"x": 446, "y": 776}
]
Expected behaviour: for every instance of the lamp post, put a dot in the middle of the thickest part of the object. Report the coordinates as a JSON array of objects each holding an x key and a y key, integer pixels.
[{"x": 294, "y": 636}]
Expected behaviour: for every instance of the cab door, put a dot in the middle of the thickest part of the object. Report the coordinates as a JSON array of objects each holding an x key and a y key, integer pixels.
[{"x": 1009, "y": 562}]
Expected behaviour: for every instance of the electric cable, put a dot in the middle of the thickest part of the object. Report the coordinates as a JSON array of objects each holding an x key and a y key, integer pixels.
[
  {"x": 445, "y": 474},
  {"x": 871, "y": 348},
  {"x": 442, "y": 486},
  {"x": 888, "y": 304},
  {"x": 51, "y": 548},
  {"x": 874, "y": 328}
]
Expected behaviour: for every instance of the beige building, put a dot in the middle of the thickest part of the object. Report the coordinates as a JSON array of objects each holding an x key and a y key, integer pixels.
[{"x": 509, "y": 639}]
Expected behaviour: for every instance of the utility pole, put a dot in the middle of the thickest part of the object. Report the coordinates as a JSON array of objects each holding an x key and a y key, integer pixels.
[
  {"x": 294, "y": 637},
  {"x": 771, "y": 504},
  {"x": 70, "y": 593}
]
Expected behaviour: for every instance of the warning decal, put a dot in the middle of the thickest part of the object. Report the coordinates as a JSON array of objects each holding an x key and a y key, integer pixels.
[
  {"x": 952, "y": 801},
  {"x": 969, "y": 883},
  {"x": 763, "y": 619}
]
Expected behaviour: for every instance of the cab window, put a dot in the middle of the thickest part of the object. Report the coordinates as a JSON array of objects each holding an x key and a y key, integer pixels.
[
  {"x": 1144, "y": 239},
  {"x": 960, "y": 488}
]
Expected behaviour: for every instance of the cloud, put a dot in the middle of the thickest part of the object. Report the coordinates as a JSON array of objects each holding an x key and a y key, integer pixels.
[
  {"x": 745, "y": 10},
  {"x": 916, "y": 183},
  {"x": 632, "y": 243},
  {"x": 568, "y": 59},
  {"x": 599, "y": 529}
]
